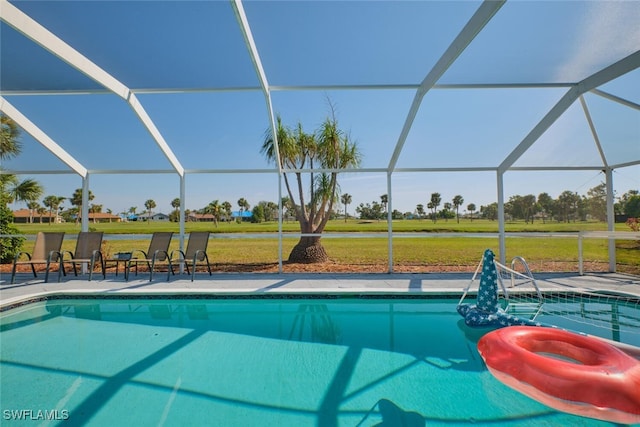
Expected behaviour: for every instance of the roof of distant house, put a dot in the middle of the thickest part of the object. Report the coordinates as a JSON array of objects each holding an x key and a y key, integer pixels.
[{"x": 26, "y": 213}]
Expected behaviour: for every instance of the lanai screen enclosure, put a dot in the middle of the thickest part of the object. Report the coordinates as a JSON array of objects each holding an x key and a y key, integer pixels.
[{"x": 518, "y": 87}]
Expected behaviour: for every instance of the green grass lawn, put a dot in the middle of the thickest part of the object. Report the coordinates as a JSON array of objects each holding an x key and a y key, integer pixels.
[
  {"x": 418, "y": 251},
  {"x": 337, "y": 226}
]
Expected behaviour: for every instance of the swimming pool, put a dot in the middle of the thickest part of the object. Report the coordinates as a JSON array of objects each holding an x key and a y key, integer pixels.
[{"x": 246, "y": 362}]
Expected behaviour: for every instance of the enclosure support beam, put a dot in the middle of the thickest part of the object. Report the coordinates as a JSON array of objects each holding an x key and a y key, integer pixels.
[
  {"x": 49, "y": 41},
  {"x": 389, "y": 223},
  {"x": 280, "y": 219},
  {"x": 480, "y": 18},
  {"x": 613, "y": 71},
  {"x": 85, "y": 204},
  {"x": 611, "y": 219},
  {"x": 501, "y": 230},
  {"x": 41, "y": 137},
  {"x": 594, "y": 133},
  {"x": 182, "y": 218},
  {"x": 262, "y": 76}
]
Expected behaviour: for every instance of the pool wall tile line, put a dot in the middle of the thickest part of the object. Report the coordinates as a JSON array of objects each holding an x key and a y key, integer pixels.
[{"x": 234, "y": 285}]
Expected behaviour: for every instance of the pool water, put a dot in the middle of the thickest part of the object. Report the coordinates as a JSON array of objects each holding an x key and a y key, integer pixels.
[{"x": 253, "y": 362}]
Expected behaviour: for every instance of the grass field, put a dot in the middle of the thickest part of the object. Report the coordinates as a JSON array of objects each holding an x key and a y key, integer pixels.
[
  {"x": 239, "y": 247},
  {"x": 338, "y": 226}
]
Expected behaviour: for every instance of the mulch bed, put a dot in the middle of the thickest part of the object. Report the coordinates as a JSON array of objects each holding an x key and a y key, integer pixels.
[{"x": 334, "y": 267}]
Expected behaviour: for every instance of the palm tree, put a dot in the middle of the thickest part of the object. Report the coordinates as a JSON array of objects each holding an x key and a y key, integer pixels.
[
  {"x": 244, "y": 206},
  {"x": 384, "y": 199},
  {"x": 41, "y": 211},
  {"x": 11, "y": 188},
  {"x": 149, "y": 204},
  {"x": 175, "y": 203},
  {"x": 27, "y": 190},
  {"x": 226, "y": 207},
  {"x": 420, "y": 210},
  {"x": 545, "y": 203},
  {"x": 214, "y": 209},
  {"x": 447, "y": 209},
  {"x": 471, "y": 208},
  {"x": 32, "y": 206},
  {"x": 457, "y": 202},
  {"x": 435, "y": 202},
  {"x": 76, "y": 200},
  {"x": 10, "y": 146},
  {"x": 329, "y": 148},
  {"x": 53, "y": 203},
  {"x": 346, "y": 200}
]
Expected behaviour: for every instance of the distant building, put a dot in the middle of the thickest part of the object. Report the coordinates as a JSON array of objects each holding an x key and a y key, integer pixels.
[
  {"x": 102, "y": 217},
  {"x": 196, "y": 217},
  {"x": 23, "y": 216},
  {"x": 155, "y": 217},
  {"x": 245, "y": 215}
]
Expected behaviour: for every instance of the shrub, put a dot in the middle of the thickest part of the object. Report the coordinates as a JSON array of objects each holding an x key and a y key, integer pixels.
[{"x": 9, "y": 246}]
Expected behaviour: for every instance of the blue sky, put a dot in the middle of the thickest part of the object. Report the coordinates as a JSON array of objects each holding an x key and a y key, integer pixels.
[{"x": 199, "y": 44}]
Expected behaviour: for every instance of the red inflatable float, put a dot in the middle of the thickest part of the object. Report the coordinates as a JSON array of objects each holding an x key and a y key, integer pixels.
[{"x": 572, "y": 373}]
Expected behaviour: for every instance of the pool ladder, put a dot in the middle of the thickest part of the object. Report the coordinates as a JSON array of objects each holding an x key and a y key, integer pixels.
[{"x": 521, "y": 302}]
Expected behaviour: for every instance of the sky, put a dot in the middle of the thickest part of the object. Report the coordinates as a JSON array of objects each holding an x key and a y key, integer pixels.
[{"x": 217, "y": 133}]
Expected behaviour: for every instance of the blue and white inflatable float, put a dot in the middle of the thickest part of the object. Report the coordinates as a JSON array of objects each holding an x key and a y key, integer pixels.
[{"x": 487, "y": 312}]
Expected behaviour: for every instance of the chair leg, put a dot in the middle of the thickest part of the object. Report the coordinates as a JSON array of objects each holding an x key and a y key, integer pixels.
[
  {"x": 103, "y": 266},
  {"x": 13, "y": 274},
  {"x": 206, "y": 258},
  {"x": 46, "y": 273},
  {"x": 151, "y": 267}
]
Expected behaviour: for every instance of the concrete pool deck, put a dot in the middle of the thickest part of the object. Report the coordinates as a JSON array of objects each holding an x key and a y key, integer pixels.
[{"x": 227, "y": 284}]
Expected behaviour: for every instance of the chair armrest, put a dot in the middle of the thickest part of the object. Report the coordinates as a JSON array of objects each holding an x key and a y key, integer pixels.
[
  {"x": 133, "y": 252},
  {"x": 200, "y": 255},
  {"x": 22, "y": 253},
  {"x": 158, "y": 252},
  {"x": 180, "y": 252},
  {"x": 63, "y": 253}
]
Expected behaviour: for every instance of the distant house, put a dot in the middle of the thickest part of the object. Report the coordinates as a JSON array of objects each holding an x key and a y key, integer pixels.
[
  {"x": 196, "y": 217},
  {"x": 102, "y": 217},
  {"x": 23, "y": 216},
  {"x": 244, "y": 215},
  {"x": 155, "y": 217}
]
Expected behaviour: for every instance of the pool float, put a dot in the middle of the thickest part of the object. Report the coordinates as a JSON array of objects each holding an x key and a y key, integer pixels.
[
  {"x": 569, "y": 372},
  {"x": 487, "y": 312}
]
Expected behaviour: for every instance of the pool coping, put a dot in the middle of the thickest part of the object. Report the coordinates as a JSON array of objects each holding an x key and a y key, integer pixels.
[{"x": 283, "y": 285}]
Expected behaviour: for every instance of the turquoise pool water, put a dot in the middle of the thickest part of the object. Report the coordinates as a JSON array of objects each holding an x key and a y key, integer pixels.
[{"x": 255, "y": 362}]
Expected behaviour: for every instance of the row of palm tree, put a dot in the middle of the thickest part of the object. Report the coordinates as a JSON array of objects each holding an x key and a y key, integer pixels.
[{"x": 12, "y": 189}]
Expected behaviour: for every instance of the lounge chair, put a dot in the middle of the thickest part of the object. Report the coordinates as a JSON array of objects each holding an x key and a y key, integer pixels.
[
  {"x": 196, "y": 252},
  {"x": 158, "y": 252},
  {"x": 87, "y": 253},
  {"x": 45, "y": 251}
]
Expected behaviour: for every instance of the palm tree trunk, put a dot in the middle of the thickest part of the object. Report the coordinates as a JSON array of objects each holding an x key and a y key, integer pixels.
[{"x": 308, "y": 250}]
